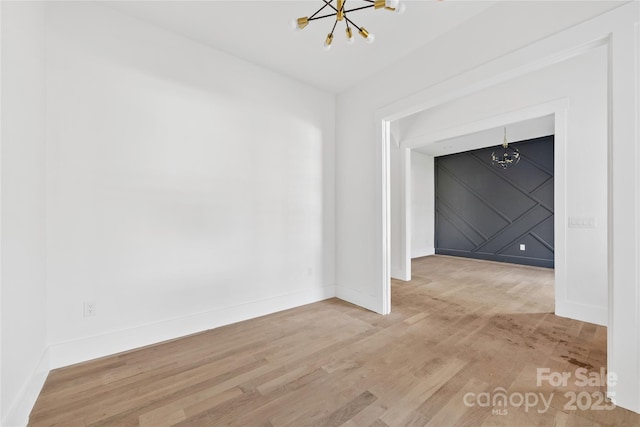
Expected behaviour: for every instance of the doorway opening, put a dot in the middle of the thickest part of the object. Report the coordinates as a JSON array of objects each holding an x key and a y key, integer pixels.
[
  {"x": 490, "y": 213},
  {"x": 544, "y": 119}
]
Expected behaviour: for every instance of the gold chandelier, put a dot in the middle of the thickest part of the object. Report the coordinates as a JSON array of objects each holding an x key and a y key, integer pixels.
[{"x": 342, "y": 14}]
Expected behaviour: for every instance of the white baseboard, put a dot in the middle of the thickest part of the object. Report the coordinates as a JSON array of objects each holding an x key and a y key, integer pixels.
[
  {"x": 68, "y": 353},
  {"x": 18, "y": 413},
  {"x": 399, "y": 274},
  {"x": 358, "y": 298},
  {"x": 419, "y": 253},
  {"x": 585, "y": 313}
]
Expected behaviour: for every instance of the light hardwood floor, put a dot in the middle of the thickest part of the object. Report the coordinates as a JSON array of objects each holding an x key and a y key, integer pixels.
[{"x": 459, "y": 331}]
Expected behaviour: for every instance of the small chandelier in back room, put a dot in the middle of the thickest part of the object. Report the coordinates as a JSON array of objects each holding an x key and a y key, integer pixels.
[
  {"x": 506, "y": 156},
  {"x": 328, "y": 10}
]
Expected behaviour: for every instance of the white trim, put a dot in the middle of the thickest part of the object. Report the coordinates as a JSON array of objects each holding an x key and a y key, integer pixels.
[
  {"x": 560, "y": 213},
  {"x": 637, "y": 171},
  {"x": 522, "y": 114},
  {"x": 406, "y": 212},
  {"x": 68, "y": 353},
  {"x": 1, "y": 395},
  {"x": 18, "y": 414},
  {"x": 370, "y": 302},
  {"x": 583, "y": 312},
  {"x": 423, "y": 253},
  {"x": 610, "y": 251},
  {"x": 624, "y": 328},
  {"x": 491, "y": 74},
  {"x": 383, "y": 141}
]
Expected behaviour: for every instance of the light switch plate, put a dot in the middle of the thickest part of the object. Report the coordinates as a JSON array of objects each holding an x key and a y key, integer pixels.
[{"x": 582, "y": 222}]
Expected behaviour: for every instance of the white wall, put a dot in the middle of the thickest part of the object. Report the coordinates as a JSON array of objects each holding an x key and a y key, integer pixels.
[
  {"x": 480, "y": 57},
  {"x": 422, "y": 205},
  {"x": 22, "y": 139},
  {"x": 186, "y": 188}
]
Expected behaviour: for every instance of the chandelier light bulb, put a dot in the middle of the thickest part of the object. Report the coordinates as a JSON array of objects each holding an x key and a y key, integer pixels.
[
  {"x": 392, "y": 3},
  {"x": 299, "y": 23},
  {"x": 365, "y": 34},
  {"x": 350, "y": 38},
  {"x": 401, "y": 8},
  {"x": 327, "y": 42}
]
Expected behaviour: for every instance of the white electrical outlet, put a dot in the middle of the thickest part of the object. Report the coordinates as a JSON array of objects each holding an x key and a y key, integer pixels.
[
  {"x": 522, "y": 247},
  {"x": 89, "y": 308}
]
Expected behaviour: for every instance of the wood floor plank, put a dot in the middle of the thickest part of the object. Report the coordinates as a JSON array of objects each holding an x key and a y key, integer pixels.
[
  {"x": 181, "y": 409},
  {"x": 421, "y": 389},
  {"x": 455, "y": 408},
  {"x": 459, "y": 329},
  {"x": 346, "y": 412}
]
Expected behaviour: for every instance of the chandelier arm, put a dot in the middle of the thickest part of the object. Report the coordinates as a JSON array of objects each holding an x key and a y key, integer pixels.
[
  {"x": 319, "y": 10},
  {"x": 359, "y": 8},
  {"x": 315, "y": 18},
  {"x": 321, "y": 17},
  {"x": 351, "y": 22},
  {"x": 334, "y": 26},
  {"x": 328, "y": 3}
]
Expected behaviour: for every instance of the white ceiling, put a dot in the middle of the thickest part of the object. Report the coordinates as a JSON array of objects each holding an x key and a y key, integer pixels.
[
  {"x": 518, "y": 131},
  {"x": 259, "y": 32}
]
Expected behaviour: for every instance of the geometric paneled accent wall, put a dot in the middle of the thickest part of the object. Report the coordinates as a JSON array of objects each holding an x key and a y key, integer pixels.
[{"x": 487, "y": 213}]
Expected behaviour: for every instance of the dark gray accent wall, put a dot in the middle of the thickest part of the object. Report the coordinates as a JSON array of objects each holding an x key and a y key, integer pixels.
[{"x": 485, "y": 212}]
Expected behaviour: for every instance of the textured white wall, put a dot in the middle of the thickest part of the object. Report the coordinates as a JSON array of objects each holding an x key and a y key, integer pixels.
[
  {"x": 23, "y": 320},
  {"x": 186, "y": 188}
]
